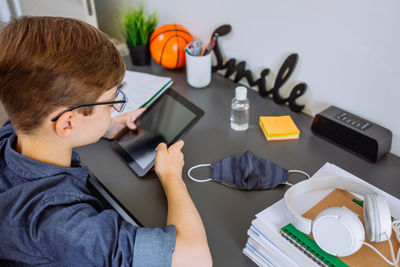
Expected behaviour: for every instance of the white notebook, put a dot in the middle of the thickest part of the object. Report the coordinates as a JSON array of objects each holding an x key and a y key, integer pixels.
[{"x": 142, "y": 89}]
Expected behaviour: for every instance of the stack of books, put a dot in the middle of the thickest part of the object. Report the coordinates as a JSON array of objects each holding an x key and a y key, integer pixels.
[
  {"x": 279, "y": 128},
  {"x": 274, "y": 241}
]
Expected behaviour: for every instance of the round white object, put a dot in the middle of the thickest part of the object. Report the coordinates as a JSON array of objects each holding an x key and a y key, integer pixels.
[{"x": 338, "y": 231}]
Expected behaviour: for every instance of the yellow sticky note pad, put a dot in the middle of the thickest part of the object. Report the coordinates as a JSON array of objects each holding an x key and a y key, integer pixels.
[{"x": 279, "y": 127}]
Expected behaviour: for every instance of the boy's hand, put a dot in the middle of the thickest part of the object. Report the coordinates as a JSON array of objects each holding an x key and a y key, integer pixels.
[
  {"x": 120, "y": 122},
  {"x": 169, "y": 161}
]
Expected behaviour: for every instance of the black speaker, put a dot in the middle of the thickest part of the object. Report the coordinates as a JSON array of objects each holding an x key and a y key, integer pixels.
[{"x": 355, "y": 134}]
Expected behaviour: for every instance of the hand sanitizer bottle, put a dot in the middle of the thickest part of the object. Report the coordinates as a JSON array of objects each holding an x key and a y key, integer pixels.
[{"x": 240, "y": 110}]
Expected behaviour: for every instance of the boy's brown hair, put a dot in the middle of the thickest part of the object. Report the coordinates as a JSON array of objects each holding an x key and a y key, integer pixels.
[{"x": 52, "y": 62}]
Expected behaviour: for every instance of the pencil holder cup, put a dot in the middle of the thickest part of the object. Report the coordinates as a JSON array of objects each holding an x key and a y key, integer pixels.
[{"x": 198, "y": 70}]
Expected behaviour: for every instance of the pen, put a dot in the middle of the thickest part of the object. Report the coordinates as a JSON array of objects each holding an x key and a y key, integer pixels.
[{"x": 209, "y": 47}]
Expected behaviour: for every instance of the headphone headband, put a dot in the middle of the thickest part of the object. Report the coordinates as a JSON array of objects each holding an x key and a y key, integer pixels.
[{"x": 303, "y": 224}]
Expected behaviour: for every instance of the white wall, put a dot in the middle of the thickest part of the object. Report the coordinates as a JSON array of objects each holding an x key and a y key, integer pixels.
[{"x": 349, "y": 50}]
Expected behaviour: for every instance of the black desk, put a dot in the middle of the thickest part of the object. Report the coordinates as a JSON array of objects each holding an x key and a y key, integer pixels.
[{"x": 227, "y": 213}]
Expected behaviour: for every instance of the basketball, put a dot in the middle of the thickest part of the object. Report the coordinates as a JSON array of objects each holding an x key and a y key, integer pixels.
[{"x": 167, "y": 45}]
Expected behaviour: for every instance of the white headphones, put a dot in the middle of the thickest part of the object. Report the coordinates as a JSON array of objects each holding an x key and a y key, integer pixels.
[{"x": 339, "y": 231}]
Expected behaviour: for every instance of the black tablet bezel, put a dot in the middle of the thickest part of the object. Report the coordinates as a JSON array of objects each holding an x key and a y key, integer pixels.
[{"x": 198, "y": 112}]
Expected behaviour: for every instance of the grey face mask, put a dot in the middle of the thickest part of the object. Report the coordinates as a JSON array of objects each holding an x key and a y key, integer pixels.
[{"x": 246, "y": 172}]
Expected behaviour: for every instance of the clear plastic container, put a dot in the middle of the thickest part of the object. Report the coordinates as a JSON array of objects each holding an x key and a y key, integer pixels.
[{"x": 240, "y": 110}]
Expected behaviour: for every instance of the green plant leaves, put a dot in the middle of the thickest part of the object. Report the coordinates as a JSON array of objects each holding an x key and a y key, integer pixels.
[{"x": 138, "y": 27}]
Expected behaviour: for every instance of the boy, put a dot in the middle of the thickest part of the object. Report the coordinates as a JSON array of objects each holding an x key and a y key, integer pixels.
[{"x": 48, "y": 66}]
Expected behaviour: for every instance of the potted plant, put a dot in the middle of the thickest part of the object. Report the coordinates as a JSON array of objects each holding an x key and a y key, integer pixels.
[{"x": 137, "y": 30}]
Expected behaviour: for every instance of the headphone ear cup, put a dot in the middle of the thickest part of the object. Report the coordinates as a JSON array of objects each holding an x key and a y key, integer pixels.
[
  {"x": 377, "y": 218},
  {"x": 338, "y": 231}
]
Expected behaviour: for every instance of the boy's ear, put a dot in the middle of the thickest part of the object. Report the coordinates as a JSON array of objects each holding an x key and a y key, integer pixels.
[{"x": 65, "y": 124}]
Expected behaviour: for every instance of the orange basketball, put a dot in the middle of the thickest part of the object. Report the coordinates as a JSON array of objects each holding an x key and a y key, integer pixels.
[{"x": 167, "y": 45}]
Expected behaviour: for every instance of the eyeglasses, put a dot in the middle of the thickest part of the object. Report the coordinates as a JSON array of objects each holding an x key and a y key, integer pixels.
[{"x": 119, "y": 104}]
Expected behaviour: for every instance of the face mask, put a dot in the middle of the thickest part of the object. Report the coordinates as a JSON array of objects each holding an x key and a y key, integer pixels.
[{"x": 246, "y": 172}]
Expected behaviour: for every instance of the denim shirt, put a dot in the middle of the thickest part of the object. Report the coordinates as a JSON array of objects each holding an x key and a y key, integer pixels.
[{"x": 48, "y": 217}]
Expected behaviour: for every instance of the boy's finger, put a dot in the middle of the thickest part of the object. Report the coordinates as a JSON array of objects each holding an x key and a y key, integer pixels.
[
  {"x": 136, "y": 113},
  {"x": 130, "y": 123},
  {"x": 161, "y": 147},
  {"x": 178, "y": 145}
]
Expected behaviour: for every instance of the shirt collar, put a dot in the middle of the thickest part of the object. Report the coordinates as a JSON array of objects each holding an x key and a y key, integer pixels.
[{"x": 32, "y": 169}]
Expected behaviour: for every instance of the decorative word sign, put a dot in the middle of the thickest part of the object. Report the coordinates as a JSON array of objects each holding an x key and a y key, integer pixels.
[{"x": 284, "y": 73}]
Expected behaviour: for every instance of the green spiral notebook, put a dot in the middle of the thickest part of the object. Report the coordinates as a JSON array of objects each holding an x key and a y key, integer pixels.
[{"x": 309, "y": 247}]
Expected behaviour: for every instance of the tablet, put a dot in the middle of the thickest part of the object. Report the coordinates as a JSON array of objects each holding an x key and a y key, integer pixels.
[{"x": 166, "y": 120}]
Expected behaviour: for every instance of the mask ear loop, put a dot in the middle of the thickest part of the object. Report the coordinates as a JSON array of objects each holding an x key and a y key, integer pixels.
[
  {"x": 195, "y": 167},
  {"x": 297, "y": 171}
]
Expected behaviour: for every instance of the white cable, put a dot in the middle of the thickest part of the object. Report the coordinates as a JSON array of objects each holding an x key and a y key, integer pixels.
[
  {"x": 396, "y": 228},
  {"x": 288, "y": 183},
  {"x": 380, "y": 254},
  {"x": 197, "y": 166},
  {"x": 392, "y": 251},
  {"x": 297, "y": 171}
]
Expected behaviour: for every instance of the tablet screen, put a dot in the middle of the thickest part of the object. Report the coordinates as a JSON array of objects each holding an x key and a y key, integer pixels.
[
  {"x": 163, "y": 121},
  {"x": 160, "y": 124}
]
